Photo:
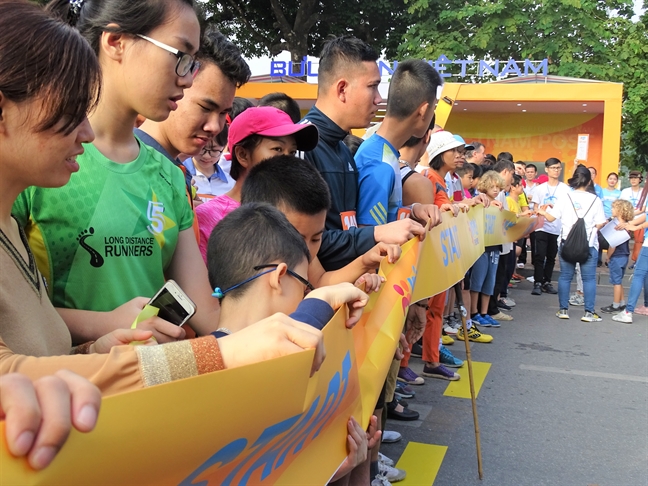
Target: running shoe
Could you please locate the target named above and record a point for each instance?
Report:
(591, 317)
(384, 459)
(448, 328)
(548, 288)
(610, 309)
(508, 301)
(392, 474)
(562, 314)
(491, 320)
(475, 335)
(577, 299)
(502, 305)
(447, 359)
(405, 391)
(446, 340)
(479, 319)
(623, 316)
(380, 480)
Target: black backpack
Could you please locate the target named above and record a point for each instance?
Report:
(575, 248)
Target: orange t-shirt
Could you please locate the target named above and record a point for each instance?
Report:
(439, 187)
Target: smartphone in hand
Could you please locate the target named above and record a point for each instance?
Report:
(174, 305)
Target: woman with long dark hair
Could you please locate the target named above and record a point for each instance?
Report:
(579, 203)
(122, 226)
(49, 80)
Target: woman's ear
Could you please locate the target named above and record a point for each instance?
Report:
(113, 44)
(275, 277)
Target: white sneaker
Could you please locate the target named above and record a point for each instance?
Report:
(508, 301)
(531, 279)
(576, 299)
(380, 480)
(385, 460)
(389, 436)
(450, 331)
(623, 316)
(392, 474)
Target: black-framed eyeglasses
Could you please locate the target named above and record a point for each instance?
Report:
(212, 152)
(186, 62)
(309, 286)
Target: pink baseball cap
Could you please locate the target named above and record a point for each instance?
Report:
(269, 121)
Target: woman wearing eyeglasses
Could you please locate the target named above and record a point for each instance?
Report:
(108, 240)
(44, 131)
(208, 178)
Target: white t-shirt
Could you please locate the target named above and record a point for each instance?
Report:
(546, 194)
(582, 201)
(627, 194)
(501, 197)
(529, 192)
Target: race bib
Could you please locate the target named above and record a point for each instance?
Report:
(348, 220)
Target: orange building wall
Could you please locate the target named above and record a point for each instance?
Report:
(532, 137)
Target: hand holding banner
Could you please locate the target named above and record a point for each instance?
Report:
(283, 427)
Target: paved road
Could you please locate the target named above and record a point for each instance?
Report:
(564, 403)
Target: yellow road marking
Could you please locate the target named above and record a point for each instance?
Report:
(422, 463)
(461, 388)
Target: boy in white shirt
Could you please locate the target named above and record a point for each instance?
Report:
(546, 237)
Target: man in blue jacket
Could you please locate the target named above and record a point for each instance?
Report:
(347, 98)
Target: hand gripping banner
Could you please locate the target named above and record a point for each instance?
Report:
(270, 423)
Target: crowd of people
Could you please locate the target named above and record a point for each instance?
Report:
(127, 161)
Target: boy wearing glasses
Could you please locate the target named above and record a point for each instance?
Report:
(254, 276)
(546, 237)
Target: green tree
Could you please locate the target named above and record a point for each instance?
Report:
(591, 39)
(262, 27)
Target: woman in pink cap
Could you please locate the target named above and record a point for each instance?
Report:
(255, 135)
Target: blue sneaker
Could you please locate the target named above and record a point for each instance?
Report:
(479, 320)
(446, 358)
(491, 322)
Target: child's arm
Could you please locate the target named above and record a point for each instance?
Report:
(354, 270)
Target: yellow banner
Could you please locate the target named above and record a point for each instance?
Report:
(505, 226)
(268, 423)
